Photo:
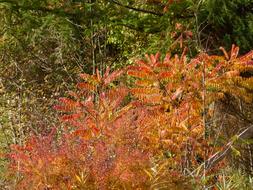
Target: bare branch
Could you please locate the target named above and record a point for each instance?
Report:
(246, 134)
(136, 9)
(218, 156)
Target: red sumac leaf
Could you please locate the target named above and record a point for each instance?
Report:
(71, 117)
(85, 76)
(113, 76)
(166, 74)
(86, 86)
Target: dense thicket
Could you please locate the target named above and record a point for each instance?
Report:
(44, 45)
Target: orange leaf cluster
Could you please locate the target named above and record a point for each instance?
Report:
(115, 135)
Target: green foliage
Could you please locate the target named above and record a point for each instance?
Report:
(234, 179)
(231, 22)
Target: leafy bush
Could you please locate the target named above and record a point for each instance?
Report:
(149, 134)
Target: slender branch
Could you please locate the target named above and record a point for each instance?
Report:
(246, 134)
(136, 9)
(218, 156)
(139, 29)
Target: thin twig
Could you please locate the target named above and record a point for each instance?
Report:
(220, 155)
(136, 9)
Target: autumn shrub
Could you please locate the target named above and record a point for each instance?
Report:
(149, 134)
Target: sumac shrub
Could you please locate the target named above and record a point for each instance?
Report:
(140, 137)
